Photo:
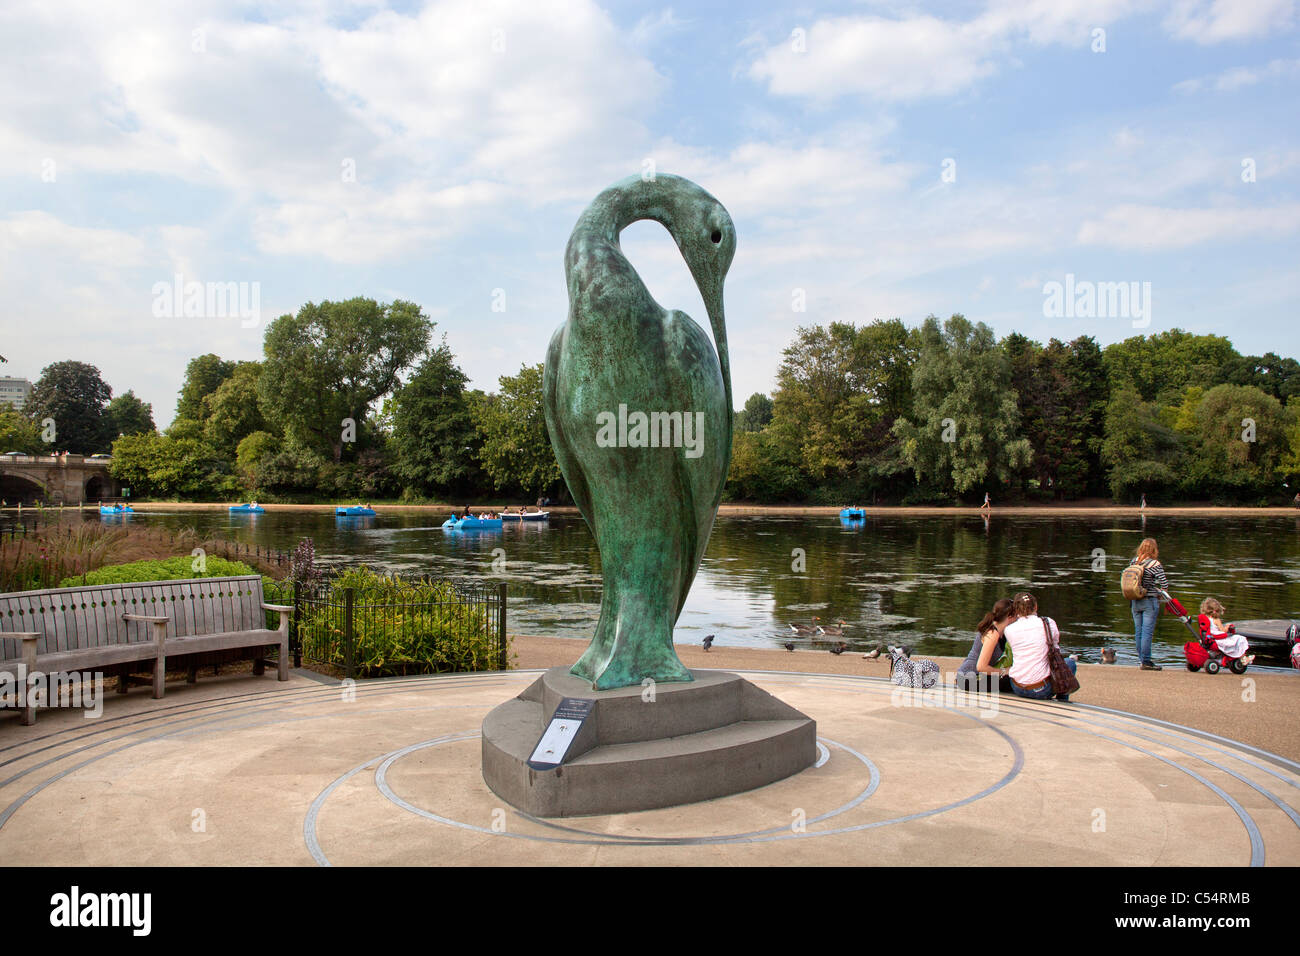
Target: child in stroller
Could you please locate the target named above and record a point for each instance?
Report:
(1217, 646)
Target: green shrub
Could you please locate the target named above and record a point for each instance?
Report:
(168, 569)
(400, 627)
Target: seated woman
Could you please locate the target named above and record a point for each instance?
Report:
(978, 671)
(1031, 675)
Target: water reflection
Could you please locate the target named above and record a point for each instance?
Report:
(925, 581)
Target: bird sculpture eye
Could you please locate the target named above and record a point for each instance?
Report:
(717, 236)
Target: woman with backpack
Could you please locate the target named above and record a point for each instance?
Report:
(1141, 581)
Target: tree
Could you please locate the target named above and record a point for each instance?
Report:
(756, 414)
(1085, 369)
(1270, 373)
(434, 434)
(1141, 453)
(326, 365)
(203, 376)
(127, 415)
(839, 391)
(233, 411)
(162, 466)
(963, 431)
(516, 451)
(1240, 443)
(75, 396)
(1060, 394)
(292, 470)
(1160, 366)
(761, 470)
(18, 432)
(253, 449)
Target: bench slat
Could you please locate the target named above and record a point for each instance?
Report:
(116, 630)
(185, 622)
(78, 618)
(252, 605)
(229, 610)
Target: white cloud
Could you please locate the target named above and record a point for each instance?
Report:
(1240, 77)
(458, 106)
(1214, 21)
(1156, 227)
(885, 59)
(916, 55)
(40, 237)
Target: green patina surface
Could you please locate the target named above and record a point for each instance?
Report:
(619, 355)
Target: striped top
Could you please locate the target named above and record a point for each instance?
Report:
(1153, 578)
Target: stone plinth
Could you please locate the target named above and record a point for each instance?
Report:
(711, 737)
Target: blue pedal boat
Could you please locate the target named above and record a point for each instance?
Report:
(471, 524)
(355, 511)
(247, 510)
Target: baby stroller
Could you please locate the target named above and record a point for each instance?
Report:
(1211, 651)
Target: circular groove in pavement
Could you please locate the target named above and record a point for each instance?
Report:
(267, 702)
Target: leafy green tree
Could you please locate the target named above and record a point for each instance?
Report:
(516, 451)
(1061, 396)
(128, 415)
(434, 434)
(18, 432)
(839, 391)
(76, 397)
(253, 449)
(761, 470)
(328, 364)
(291, 471)
(1085, 369)
(756, 414)
(1270, 373)
(1142, 454)
(963, 433)
(1289, 465)
(203, 376)
(1240, 443)
(161, 466)
(233, 411)
(1160, 366)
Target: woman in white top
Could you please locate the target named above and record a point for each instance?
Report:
(1031, 675)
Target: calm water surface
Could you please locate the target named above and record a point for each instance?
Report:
(920, 580)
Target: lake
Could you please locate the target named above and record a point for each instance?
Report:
(921, 580)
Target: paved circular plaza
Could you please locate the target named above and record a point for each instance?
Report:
(242, 770)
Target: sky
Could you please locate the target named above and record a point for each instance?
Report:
(879, 160)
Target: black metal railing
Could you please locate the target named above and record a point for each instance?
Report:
(409, 627)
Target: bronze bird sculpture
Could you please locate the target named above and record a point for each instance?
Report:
(639, 411)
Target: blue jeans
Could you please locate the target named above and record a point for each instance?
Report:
(1145, 614)
(1047, 690)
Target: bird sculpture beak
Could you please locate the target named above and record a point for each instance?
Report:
(711, 292)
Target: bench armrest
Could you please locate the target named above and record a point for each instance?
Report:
(21, 635)
(282, 608)
(152, 619)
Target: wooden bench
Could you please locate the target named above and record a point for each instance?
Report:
(116, 626)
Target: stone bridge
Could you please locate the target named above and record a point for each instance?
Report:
(55, 479)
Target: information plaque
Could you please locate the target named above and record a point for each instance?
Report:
(560, 733)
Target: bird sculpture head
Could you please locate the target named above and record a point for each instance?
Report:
(707, 241)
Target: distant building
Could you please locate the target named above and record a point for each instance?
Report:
(15, 391)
